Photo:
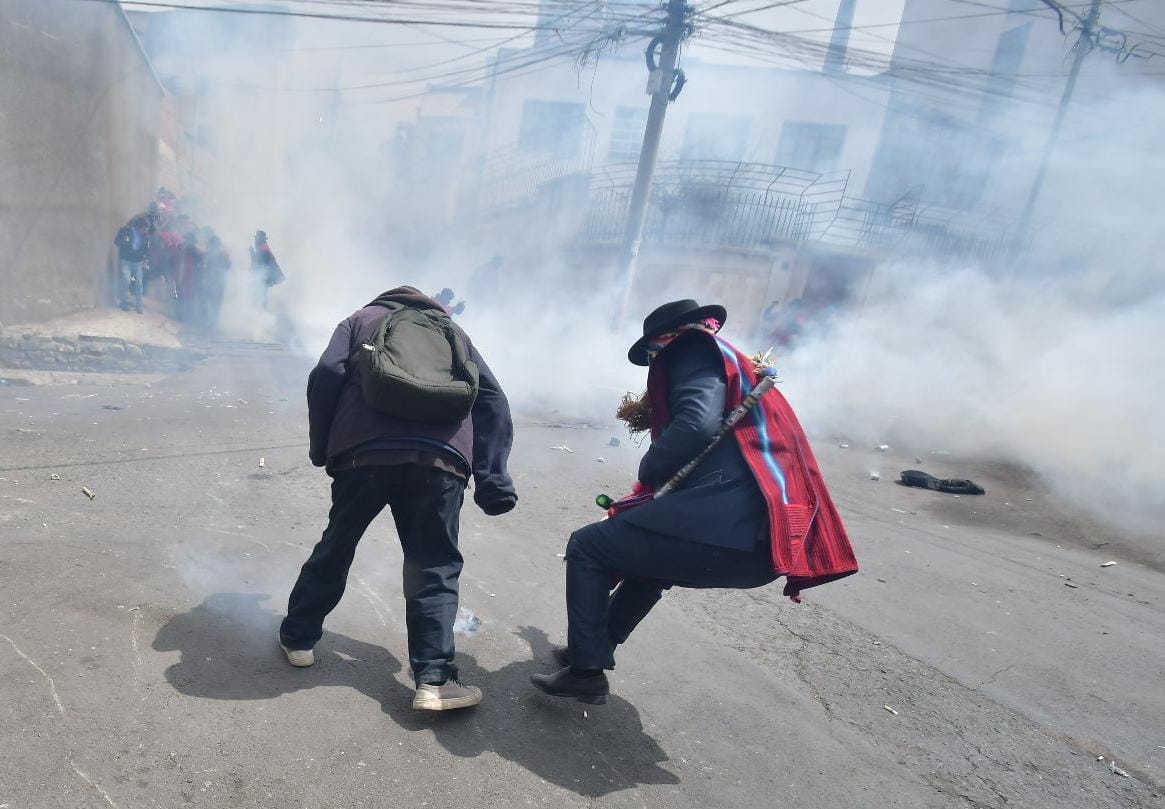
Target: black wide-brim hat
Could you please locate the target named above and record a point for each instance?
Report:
(669, 317)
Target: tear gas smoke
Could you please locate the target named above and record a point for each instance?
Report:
(1027, 371)
(1056, 371)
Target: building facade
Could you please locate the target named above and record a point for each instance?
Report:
(78, 150)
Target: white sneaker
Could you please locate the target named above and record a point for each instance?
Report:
(447, 696)
(299, 658)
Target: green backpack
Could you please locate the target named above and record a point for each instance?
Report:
(418, 368)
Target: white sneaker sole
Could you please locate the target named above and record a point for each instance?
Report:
(427, 703)
(301, 662)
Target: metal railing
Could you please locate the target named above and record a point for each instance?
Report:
(737, 219)
(716, 203)
(756, 206)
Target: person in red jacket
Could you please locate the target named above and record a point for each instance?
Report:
(754, 509)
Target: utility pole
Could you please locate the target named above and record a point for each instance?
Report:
(663, 85)
(1083, 47)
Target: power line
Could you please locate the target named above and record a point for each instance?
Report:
(316, 15)
(516, 61)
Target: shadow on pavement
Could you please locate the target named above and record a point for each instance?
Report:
(228, 652)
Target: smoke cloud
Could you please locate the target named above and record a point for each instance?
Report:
(1028, 371)
(1051, 365)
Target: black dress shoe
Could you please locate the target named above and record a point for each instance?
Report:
(565, 683)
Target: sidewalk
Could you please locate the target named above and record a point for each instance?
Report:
(97, 341)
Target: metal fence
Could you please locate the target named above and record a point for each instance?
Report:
(738, 219)
(716, 203)
(756, 206)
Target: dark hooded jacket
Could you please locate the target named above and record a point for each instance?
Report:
(346, 433)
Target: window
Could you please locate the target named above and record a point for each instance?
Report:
(552, 127)
(627, 135)
(1008, 59)
(811, 147)
(716, 137)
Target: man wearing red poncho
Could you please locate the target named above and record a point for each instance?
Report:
(754, 509)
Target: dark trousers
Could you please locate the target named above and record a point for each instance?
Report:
(426, 504)
(648, 564)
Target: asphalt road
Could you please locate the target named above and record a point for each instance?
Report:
(138, 665)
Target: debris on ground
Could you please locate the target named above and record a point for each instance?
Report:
(844, 446)
(1115, 770)
(466, 623)
(600, 460)
(111, 407)
(85, 491)
(891, 710)
(1109, 563)
(875, 476)
(262, 462)
(883, 448)
(1073, 586)
(924, 480)
(564, 448)
(54, 476)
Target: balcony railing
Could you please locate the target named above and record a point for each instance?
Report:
(754, 206)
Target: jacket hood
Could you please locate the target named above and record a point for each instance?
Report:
(407, 295)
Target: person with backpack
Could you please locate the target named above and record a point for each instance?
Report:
(402, 411)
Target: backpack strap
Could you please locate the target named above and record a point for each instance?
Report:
(457, 342)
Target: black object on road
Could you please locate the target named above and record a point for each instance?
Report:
(923, 480)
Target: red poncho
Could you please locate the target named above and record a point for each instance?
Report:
(809, 541)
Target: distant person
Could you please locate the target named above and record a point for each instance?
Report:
(190, 276)
(445, 298)
(264, 268)
(216, 266)
(154, 217)
(167, 202)
(165, 265)
(132, 252)
(388, 439)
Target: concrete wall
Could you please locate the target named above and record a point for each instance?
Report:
(78, 150)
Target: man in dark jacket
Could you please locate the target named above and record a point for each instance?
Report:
(420, 472)
(738, 520)
(132, 250)
(265, 270)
